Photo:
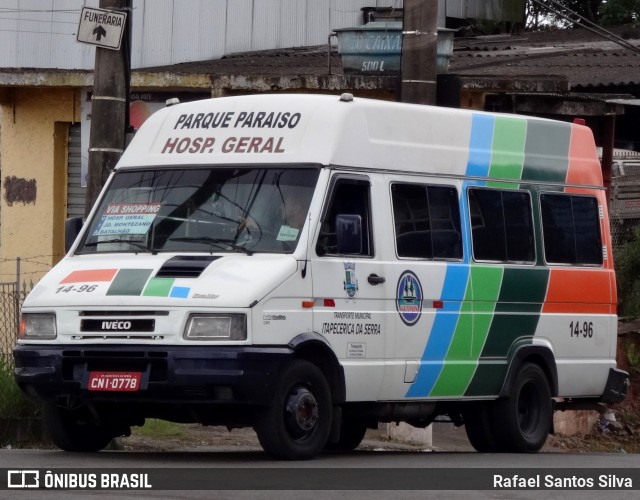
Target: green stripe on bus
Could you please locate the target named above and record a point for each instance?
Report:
(471, 332)
(519, 286)
(507, 155)
(158, 287)
(129, 282)
(547, 151)
(516, 316)
(488, 378)
(456, 368)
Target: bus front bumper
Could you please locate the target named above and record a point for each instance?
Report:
(164, 374)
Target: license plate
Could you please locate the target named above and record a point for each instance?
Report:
(114, 381)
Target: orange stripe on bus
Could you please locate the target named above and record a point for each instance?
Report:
(573, 288)
(90, 275)
(575, 308)
(584, 167)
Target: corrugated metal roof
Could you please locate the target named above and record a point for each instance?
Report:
(291, 61)
(577, 56)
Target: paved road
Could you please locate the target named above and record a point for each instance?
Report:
(391, 469)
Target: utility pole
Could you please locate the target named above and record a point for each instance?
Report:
(419, 51)
(110, 105)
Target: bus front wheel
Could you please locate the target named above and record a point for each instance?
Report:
(75, 429)
(297, 423)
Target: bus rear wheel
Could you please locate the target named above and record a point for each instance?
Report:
(524, 418)
(479, 425)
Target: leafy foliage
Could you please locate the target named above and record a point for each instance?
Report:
(603, 12)
(633, 356)
(628, 276)
(620, 12)
(13, 402)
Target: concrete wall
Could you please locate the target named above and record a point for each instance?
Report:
(33, 169)
(571, 423)
(403, 433)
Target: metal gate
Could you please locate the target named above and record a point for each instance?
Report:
(8, 319)
(75, 192)
(13, 404)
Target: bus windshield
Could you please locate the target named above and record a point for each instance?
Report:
(217, 209)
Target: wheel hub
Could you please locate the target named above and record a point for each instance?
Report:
(301, 412)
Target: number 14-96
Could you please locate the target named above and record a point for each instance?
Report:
(581, 329)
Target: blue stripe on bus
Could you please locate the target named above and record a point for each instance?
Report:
(480, 144)
(444, 325)
(457, 275)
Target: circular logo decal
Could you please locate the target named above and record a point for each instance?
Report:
(409, 298)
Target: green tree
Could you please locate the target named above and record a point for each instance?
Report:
(620, 12)
(588, 9)
(627, 260)
(534, 15)
(596, 11)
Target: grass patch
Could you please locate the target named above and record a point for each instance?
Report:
(13, 402)
(11, 394)
(159, 429)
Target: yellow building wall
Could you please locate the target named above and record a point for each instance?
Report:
(33, 168)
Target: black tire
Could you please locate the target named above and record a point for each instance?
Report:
(524, 418)
(351, 435)
(296, 425)
(75, 430)
(479, 424)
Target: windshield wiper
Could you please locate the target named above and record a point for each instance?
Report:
(141, 246)
(215, 242)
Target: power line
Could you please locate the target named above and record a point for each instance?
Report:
(41, 11)
(557, 9)
(38, 32)
(27, 20)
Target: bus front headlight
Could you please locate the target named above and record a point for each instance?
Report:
(37, 326)
(216, 327)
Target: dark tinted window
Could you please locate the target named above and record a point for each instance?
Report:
(501, 225)
(571, 229)
(427, 221)
(349, 210)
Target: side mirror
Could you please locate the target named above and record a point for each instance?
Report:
(349, 234)
(72, 227)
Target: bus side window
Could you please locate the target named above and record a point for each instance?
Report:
(426, 221)
(571, 229)
(501, 225)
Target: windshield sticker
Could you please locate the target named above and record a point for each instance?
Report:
(127, 218)
(287, 233)
(409, 298)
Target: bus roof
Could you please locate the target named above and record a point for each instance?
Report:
(365, 134)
